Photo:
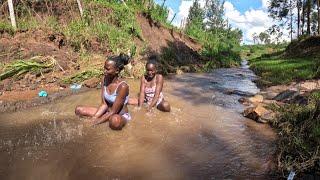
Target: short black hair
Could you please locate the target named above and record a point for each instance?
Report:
(120, 60)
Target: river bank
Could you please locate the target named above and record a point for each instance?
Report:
(289, 101)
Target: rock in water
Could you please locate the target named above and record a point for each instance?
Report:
(259, 114)
(244, 101)
(287, 94)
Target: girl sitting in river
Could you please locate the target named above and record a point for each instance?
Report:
(151, 89)
(114, 96)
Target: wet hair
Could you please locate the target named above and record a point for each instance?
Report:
(152, 60)
(120, 61)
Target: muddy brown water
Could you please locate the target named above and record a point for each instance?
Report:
(204, 137)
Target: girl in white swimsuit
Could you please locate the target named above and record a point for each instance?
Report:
(114, 96)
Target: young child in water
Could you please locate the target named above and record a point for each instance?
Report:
(151, 89)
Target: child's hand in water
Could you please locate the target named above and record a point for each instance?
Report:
(94, 121)
(149, 110)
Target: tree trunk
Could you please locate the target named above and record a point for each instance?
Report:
(173, 18)
(291, 20)
(308, 17)
(12, 17)
(303, 16)
(80, 7)
(318, 3)
(298, 19)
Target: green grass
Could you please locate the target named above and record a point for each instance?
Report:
(82, 76)
(299, 135)
(28, 23)
(277, 70)
(6, 27)
(251, 52)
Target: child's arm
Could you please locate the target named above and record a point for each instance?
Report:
(103, 106)
(141, 94)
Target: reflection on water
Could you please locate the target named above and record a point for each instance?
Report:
(199, 139)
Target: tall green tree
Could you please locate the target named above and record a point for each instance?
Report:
(264, 38)
(308, 15)
(195, 20)
(214, 14)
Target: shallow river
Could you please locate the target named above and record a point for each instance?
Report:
(204, 137)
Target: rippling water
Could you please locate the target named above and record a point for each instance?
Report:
(204, 137)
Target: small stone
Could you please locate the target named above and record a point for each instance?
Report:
(185, 68)
(179, 71)
(285, 95)
(244, 101)
(256, 99)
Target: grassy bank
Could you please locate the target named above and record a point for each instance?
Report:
(298, 143)
(251, 52)
(278, 70)
(274, 68)
(298, 126)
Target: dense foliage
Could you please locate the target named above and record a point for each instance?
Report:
(207, 25)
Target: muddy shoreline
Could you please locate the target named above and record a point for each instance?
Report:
(13, 106)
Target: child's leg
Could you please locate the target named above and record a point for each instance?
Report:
(86, 111)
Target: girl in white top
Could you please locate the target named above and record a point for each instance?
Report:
(114, 96)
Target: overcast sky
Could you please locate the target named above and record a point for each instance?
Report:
(250, 16)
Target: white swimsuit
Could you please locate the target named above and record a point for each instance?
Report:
(111, 98)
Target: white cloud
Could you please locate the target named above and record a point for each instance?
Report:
(250, 22)
(183, 13)
(265, 4)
